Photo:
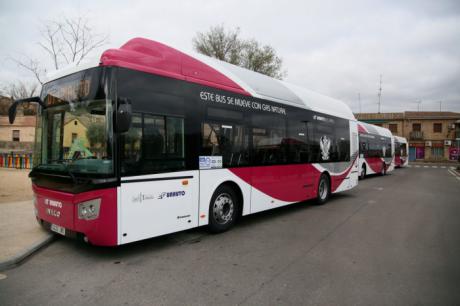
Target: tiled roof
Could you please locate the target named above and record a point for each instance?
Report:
(376, 116)
(431, 115)
(407, 115)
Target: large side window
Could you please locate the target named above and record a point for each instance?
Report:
(154, 144)
(298, 150)
(330, 139)
(223, 134)
(226, 140)
(268, 139)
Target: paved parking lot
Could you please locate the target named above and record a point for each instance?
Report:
(393, 240)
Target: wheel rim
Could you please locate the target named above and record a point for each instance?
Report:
(223, 208)
(322, 190)
(363, 172)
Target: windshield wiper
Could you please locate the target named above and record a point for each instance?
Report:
(74, 180)
(59, 161)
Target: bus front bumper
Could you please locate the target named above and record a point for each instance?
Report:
(91, 216)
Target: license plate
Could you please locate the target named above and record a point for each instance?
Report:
(58, 229)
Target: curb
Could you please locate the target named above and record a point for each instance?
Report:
(18, 258)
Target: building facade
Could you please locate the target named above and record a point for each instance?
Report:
(17, 137)
(432, 136)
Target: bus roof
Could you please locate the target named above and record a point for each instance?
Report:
(400, 139)
(156, 58)
(368, 128)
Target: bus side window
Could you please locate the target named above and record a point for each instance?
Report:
(268, 139)
(363, 148)
(131, 145)
(226, 140)
(296, 141)
(153, 144)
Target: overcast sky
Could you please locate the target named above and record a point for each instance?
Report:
(337, 48)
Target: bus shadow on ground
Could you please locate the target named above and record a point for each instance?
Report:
(128, 252)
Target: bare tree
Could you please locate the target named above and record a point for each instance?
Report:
(19, 90)
(65, 41)
(15, 91)
(226, 45)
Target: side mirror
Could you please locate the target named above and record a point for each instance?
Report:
(14, 106)
(12, 112)
(124, 115)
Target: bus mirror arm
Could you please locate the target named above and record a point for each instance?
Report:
(14, 106)
(124, 115)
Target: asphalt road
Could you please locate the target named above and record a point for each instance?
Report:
(393, 240)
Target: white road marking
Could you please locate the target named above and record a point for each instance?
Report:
(444, 167)
(454, 173)
(417, 166)
(452, 168)
(434, 167)
(423, 166)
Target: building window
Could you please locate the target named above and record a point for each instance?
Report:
(393, 127)
(437, 127)
(74, 136)
(437, 152)
(416, 127)
(16, 135)
(378, 124)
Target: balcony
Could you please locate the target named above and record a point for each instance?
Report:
(416, 135)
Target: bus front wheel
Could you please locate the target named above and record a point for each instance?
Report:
(324, 189)
(223, 209)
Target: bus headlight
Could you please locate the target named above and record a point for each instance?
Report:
(89, 210)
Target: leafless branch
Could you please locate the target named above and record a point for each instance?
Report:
(65, 40)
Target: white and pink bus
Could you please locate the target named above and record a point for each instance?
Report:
(401, 159)
(376, 149)
(149, 140)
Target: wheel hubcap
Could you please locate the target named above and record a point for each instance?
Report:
(322, 189)
(223, 208)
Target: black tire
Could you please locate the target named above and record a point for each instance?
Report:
(384, 169)
(324, 190)
(223, 209)
(363, 172)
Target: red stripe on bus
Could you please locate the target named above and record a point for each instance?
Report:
(288, 183)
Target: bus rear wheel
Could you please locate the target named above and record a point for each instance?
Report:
(223, 209)
(324, 189)
(384, 169)
(363, 172)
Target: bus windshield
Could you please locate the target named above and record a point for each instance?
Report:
(75, 129)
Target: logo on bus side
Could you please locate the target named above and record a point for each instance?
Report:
(171, 194)
(145, 197)
(325, 145)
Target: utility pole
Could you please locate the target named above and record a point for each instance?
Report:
(419, 104)
(359, 101)
(380, 92)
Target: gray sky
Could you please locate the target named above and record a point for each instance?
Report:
(338, 48)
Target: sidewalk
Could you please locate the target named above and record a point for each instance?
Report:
(20, 234)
